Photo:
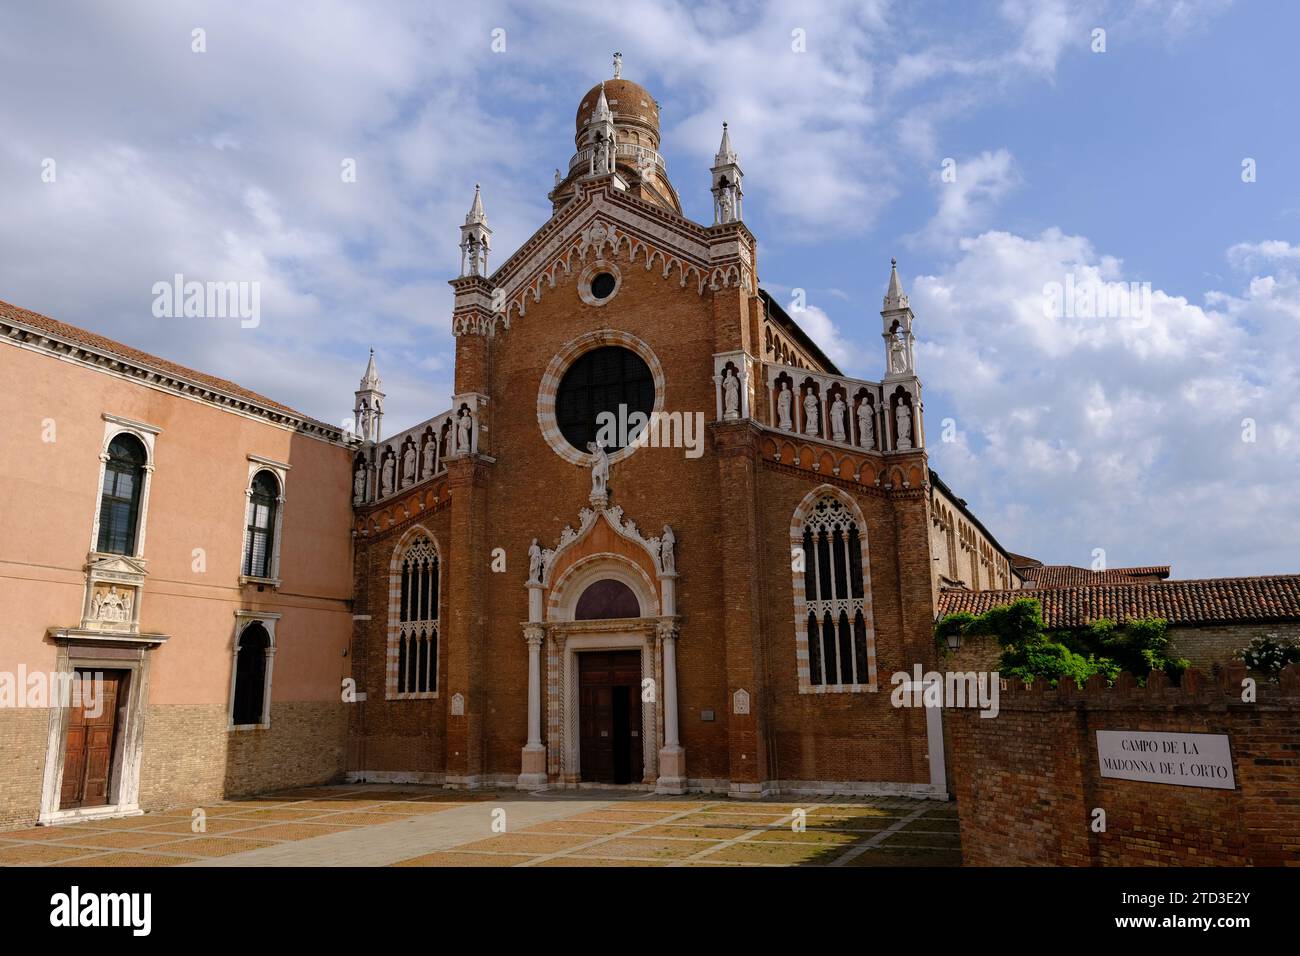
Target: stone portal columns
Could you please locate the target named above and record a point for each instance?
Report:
(532, 774)
(672, 757)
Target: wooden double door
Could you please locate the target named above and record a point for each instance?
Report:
(91, 743)
(609, 716)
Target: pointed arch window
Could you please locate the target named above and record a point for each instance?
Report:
(120, 495)
(413, 623)
(833, 600)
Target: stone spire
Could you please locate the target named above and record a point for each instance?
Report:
(727, 193)
(896, 328)
(602, 112)
(475, 239)
(904, 424)
(726, 155)
(368, 410)
(601, 138)
(895, 297)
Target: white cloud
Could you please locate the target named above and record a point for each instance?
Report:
(1113, 432)
(968, 192)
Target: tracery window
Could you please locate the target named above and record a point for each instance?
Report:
(835, 610)
(413, 636)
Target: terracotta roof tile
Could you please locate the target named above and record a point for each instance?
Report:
(1208, 601)
(1065, 575)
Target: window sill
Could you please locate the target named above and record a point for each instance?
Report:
(247, 579)
(418, 695)
(235, 728)
(839, 689)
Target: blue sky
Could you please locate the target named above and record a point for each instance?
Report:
(1068, 435)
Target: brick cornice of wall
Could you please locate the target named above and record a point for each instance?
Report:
(427, 498)
(900, 473)
(859, 487)
(1195, 690)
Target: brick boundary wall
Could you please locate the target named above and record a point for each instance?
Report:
(1027, 781)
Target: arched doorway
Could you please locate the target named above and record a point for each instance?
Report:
(602, 626)
(610, 749)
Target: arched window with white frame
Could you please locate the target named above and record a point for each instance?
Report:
(413, 615)
(121, 494)
(834, 634)
(250, 678)
(263, 521)
(259, 533)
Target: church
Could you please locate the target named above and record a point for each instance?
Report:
(549, 603)
(658, 540)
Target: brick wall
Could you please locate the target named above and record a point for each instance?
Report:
(1218, 643)
(1027, 781)
(404, 736)
(24, 736)
(191, 757)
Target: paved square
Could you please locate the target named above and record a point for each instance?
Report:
(390, 825)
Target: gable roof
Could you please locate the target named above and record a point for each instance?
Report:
(1207, 601)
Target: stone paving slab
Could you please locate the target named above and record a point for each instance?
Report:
(388, 843)
(423, 826)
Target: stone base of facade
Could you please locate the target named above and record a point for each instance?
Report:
(672, 770)
(188, 757)
(396, 776)
(532, 774)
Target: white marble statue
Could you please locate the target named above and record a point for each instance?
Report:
(867, 425)
(730, 394)
(666, 557)
(408, 465)
(897, 356)
(728, 205)
(599, 470)
(837, 418)
(903, 415)
(463, 424)
(535, 561)
(387, 475)
(784, 400)
(429, 465)
(359, 484)
(810, 413)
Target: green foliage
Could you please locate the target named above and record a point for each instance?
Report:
(1046, 660)
(1030, 652)
(1268, 654)
(1017, 624)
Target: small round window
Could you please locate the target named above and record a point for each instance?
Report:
(602, 285)
(606, 384)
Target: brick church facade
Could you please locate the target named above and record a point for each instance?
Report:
(723, 619)
(659, 540)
